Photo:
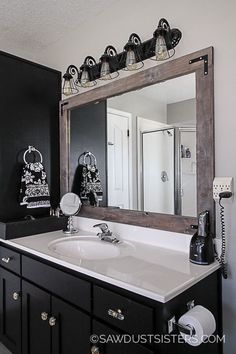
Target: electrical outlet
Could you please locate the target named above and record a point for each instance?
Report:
(222, 184)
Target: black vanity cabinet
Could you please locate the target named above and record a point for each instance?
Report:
(10, 299)
(10, 310)
(109, 347)
(72, 334)
(36, 334)
(50, 325)
(46, 308)
(59, 326)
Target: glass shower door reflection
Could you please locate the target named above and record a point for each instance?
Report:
(158, 171)
(188, 172)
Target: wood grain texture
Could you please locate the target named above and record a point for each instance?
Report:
(205, 138)
(175, 223)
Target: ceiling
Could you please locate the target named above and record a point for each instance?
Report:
(36, 24)
(39, 23)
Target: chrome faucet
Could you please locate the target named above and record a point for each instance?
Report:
(106, 234)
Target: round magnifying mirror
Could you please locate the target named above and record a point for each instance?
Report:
(70, 205)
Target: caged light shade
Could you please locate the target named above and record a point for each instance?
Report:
(164, 41)
(109, 64)
(133, 53)
(87, 75)
(70, 84)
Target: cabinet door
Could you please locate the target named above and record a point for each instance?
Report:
(112, 345)
(36, 331)
(10, 311)
(71, 329)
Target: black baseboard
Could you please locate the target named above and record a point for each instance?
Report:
(21, 228)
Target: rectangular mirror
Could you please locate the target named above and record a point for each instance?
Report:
(144, 143)
(150, 145)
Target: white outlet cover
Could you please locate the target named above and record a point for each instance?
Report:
(222, 184)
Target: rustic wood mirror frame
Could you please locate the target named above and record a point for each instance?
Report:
(200, 63)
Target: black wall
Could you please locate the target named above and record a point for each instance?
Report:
(29, 115)
(88, 131)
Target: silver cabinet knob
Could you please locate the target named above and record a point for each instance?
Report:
(16, 296)
(94, 350)
(44, 316)
(6, 259)
(52, 321)
(116, 314)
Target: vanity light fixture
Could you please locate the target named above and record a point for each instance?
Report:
(164, 41)
(109, 64)
(70, 84)
(160, 47)
(87, 73)
(133, 53)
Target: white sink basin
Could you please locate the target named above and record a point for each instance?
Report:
(89, 248)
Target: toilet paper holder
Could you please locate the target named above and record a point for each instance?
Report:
(188, 329)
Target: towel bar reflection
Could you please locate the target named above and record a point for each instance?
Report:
(90, 154)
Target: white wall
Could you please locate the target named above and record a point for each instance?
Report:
(203, 23)
(139, 106)
(183, 112)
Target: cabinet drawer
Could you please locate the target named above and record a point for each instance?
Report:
(110, 341)
(10, 259)
(67, 286)
(126, 314)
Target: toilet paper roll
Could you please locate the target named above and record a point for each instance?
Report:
(202, 320)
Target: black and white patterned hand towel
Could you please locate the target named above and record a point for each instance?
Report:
(90, 182)
(34, 191)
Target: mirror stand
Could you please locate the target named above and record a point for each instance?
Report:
(70, 205)
(70, 229)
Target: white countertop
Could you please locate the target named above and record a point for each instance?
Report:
(156, 272)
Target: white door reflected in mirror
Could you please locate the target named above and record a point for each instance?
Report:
(70, 205)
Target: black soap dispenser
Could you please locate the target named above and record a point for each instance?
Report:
(201, 245)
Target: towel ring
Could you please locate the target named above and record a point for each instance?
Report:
(90, 155)
(29, 150)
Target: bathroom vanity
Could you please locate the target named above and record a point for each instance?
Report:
(53, 302)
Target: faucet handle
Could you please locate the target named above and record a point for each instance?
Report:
(103, 226)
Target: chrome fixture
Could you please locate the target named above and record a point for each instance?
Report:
(32, 149)
(52, 321)
(16, 296)
(159, 47)
(188, 329)
(116, 314)
(94, 350)
(173, 324)
(6, 259)
(44, 316)
(106, 234)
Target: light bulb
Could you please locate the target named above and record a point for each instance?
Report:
(131, 63)
(67, 90)
(161, 49)
(84, 78)
(105, 71)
